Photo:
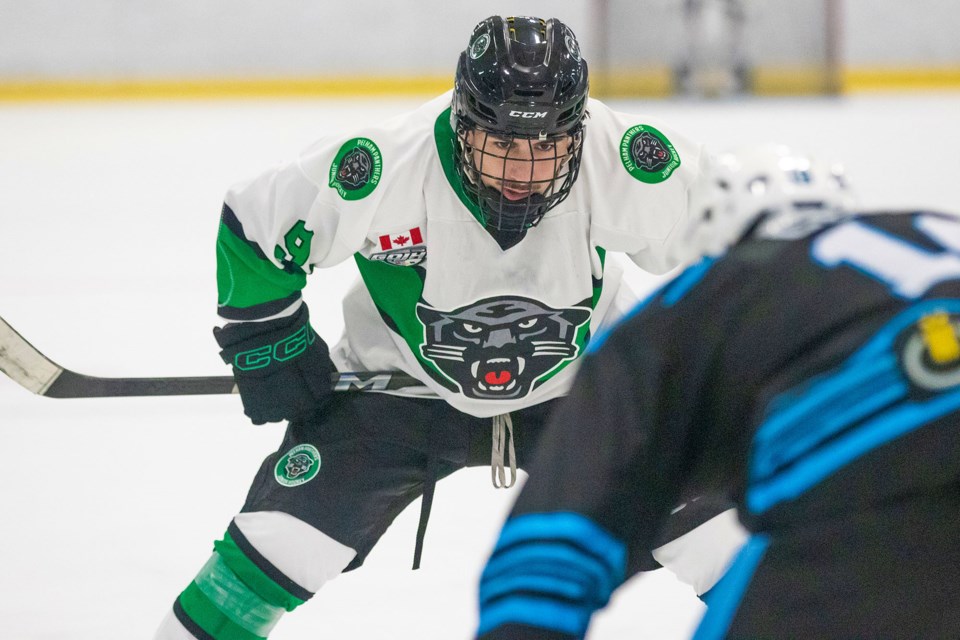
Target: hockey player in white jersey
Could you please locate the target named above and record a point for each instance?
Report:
(480, 224)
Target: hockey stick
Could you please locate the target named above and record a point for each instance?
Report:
(32, 370)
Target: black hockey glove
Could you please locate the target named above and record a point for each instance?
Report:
(282, 367)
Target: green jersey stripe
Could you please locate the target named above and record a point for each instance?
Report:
(245, 279)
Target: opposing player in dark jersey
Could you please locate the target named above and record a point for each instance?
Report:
(813, 372)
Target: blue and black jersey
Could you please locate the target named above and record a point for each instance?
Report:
(816, 380)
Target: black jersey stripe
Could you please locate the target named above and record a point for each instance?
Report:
(229, 219)
(257, 311)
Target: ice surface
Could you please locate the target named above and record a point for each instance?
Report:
(108, 214)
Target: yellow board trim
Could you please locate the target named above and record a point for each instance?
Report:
(646, 82)
(326, 87)
(793, 80)
(867, 79)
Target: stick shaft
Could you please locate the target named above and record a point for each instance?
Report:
(29, 368)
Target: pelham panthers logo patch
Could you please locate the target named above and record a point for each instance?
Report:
(356, 169)
(297, 466)
(498, 348)
(647, 154)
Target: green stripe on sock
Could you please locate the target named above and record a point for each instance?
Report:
(209, 618)
(251, 575)
(225, 607)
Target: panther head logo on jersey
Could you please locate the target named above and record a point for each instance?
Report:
(498, 348)
(649, 152)
(355, 168)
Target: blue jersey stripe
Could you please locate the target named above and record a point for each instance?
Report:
(564, 525)
(550, 570)
(671, 291)
(545, 558)
(813, 431)
(725, 597)
(601, 336)
(535, 612)
(680, 286)
(825, 410)
(870, 435)
(540, 578)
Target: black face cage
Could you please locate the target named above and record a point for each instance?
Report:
(539, 171)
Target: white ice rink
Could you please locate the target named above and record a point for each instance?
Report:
(108, 214)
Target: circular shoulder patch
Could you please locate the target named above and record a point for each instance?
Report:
(647, 154)
(356, 169)
(297, 466)
(930, 355)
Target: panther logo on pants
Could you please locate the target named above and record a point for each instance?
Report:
(297, 466)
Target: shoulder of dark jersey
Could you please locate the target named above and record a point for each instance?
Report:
(777, 262)
(712, 298)
(904, 224)
(768, 243)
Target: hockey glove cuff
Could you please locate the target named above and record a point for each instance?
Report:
(282, 367)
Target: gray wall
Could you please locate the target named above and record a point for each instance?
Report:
(122, 39)
(654, 31)
(241, 38)
(914, 33)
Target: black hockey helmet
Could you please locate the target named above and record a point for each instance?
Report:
(521, 80)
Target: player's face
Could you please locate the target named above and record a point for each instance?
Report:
(518, 167)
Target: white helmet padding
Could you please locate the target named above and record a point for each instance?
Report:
(788, 192)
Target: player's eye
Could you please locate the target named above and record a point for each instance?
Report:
(546, 146)
(471, 328)
(526, 324)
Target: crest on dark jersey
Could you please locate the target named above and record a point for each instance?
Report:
(649, 153)
(498, 348)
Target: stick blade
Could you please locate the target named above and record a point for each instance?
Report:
(32, 370)
(21, 361)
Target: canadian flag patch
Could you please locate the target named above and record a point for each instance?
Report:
(400, 240)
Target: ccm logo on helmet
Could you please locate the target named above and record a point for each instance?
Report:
(528, 114)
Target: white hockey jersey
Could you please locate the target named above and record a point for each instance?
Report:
(488, 330)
